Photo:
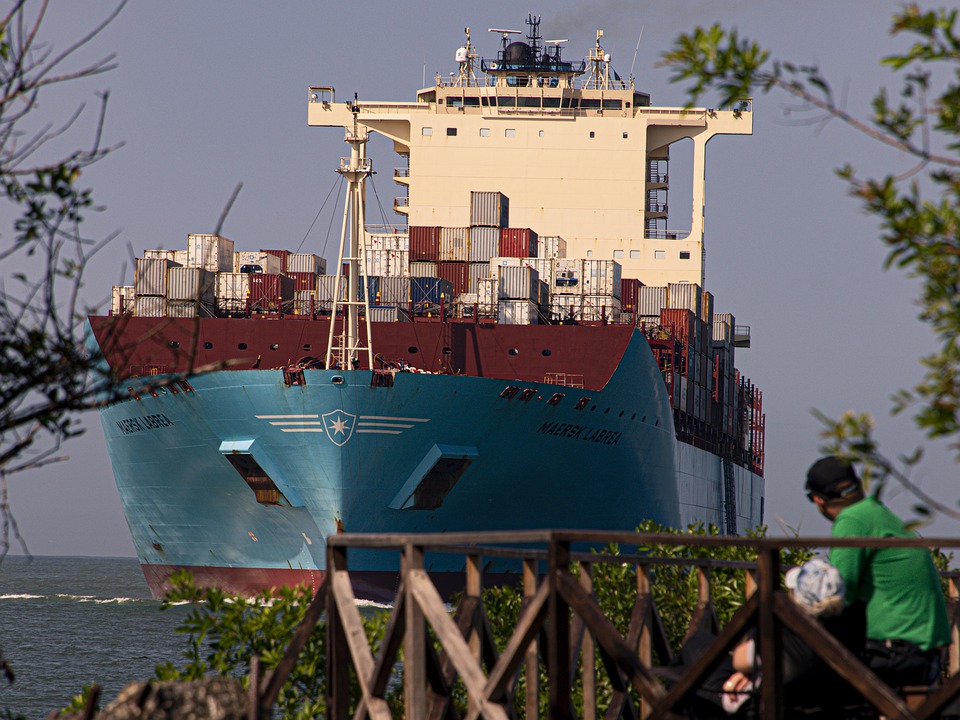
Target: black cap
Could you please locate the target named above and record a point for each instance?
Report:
(827, 476)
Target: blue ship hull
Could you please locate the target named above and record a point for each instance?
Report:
(344, 455)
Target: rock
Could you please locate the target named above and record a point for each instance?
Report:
(215, 698)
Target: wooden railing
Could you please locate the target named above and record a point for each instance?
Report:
(563, 630)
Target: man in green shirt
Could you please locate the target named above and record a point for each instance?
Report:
(906, 615)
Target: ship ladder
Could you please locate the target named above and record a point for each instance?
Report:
(729, 497)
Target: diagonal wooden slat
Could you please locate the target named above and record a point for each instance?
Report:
(356, 637)
(607, 636)
(844, 662)
(390, 645)
(432, 606)
(939, 699)
(725, 641)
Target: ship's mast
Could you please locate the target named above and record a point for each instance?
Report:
(343, 349)
(465, 59)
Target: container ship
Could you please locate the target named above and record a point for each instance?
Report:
(531, 345)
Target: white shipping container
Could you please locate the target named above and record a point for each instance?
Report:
(488, 293)
(170, 255)
(518, 312)
(723, 325)
(305, 302)
(234, 288)
(395, 290)
(598, 307)
(328, 291)
(684, 296)
(395, 241)
(210, 252)
(150, 276)
(150, 306)
(489, 208)
(268, 264)
(601, 277)
(191, 283)
(387, 262)
(484, 243)
(123, 300)
(567, 275)
(651, 300)
(307, 263)
(551, 246)
(180, 257)
(422, 268)
(388, 313)
(519, 283)
(454, 244)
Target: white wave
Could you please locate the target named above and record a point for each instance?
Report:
(21, 596)
(374, 604)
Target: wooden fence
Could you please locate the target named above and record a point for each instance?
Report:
(563, 631)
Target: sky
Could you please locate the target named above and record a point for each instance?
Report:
(208, 95)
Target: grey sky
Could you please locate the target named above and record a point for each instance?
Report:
(214, 93)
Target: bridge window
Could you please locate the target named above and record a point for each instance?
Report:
(426, 132)
(684, 255)
(613, 104)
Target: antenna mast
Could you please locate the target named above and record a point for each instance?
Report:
(343, 349)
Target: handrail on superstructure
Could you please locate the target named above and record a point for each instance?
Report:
(561, 627)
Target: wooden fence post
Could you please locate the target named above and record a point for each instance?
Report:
(415, 641)
(532, 661)
(558, 634)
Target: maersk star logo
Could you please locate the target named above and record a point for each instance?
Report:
(339, 426)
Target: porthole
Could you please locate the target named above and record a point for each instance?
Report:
(174, 344)
(545, 352)
(513, 351)
(241, 346)
(274, 346)
(412, 350)
(306, 347)
(446, 351)
(208, 346)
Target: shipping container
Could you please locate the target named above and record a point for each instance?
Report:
(518, 242)
(190, 309)
(210, 252)
(519, 283)
(306, 263)
(488, 294)
(395, 290)
(629, 293)
(567, 275)
(305, 302)
(422, 268)
(170, 255)
(454, 244)
(123, 300)
(424, 243)
(282, 254)
(429, 290)
(150, 306)
(396, 241)
(600, 307)
(684, 296)
(180, 257)
(458, 273)
(551, 246)
(191, 283)
(270, 293)
(681, 320)
(232, 292)
(247, 261)
(150, 276)
(484, 243)
(518, 312)
(388, 313)
(387, 262)
(328, 291)
(651, 300)
(723, 325)
(489, 208)
(303, 280)
(601, 277)
(475, 271)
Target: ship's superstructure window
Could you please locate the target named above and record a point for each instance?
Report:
(541, 133)
(659, 254)
(634, 254)
(617, 254)
(592, 134)
(451, 132)
(589, 253)
(509, 132)
(426, 132)
(613, 104)
(626, 135)
(484, 132)
(684, 255)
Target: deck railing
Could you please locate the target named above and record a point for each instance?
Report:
(562, 628)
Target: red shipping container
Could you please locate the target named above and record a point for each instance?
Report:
(304, 280)
(282, 254)
(681, 320)
(424, 244)
(629, 294)
(457, 273)
(270, 293)
(518, 242)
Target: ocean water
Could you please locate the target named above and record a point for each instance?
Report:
(69, 621)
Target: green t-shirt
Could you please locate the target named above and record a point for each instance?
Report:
(901, 586)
